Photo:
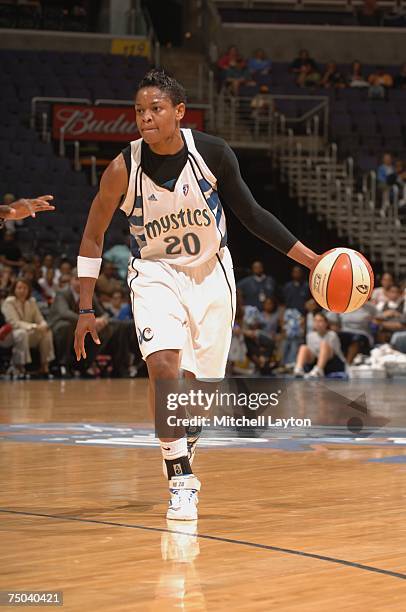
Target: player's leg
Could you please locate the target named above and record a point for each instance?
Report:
(304, 357)
(183, 485)
(160, 321)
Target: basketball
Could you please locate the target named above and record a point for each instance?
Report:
(342, 280)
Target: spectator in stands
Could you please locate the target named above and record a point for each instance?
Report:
(64, 280)
(379, 82)
(259, 65)
(400, 79)
(380, 294)
(385, 170)
(332, 77)
(119, 255)
(322, 348)
(356, 78)
(118, 308)
(398, 177)
(308, 76)
(312, 308)
(354, 330)
(232, 57)
(29, 274)
(7, 279)
(292, 333)
(10, 252)
(301, 60)
(107, 283)
(49, 264)
(16, 340)
(49, 285)
(257, 287)
(65, 267)
(296, 291)
(114, 335)
(246, 319)
(389, 314)
(22, 312)
(262, 105)
(369, 14)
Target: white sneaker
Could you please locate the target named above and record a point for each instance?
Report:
(315, 373)
(184, 499)
(298, 372)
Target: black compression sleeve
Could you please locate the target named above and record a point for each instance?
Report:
(235, 194)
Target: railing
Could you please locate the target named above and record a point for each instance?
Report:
(255, 121)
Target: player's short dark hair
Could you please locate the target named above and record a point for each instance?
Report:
(167, 84)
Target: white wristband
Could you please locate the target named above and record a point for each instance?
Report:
(89, 266)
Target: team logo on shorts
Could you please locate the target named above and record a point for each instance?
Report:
(147, 334)
(185, 190)
(363, 289)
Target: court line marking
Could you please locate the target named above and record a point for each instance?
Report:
(289, 551)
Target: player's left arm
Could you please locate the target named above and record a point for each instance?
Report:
(234, 192)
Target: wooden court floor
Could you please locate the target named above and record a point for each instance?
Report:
(289, 526)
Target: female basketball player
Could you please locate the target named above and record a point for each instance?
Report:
(172, 184)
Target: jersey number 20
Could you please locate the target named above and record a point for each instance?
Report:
(191, 244)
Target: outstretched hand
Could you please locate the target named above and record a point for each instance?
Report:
(86, 325)
(27, 207)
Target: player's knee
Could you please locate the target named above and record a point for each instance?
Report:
(163, 364)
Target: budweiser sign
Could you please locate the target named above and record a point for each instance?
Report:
(108, 123)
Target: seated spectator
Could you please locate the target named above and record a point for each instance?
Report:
(230, 58)
(399, 175)
(322, 348)
(380, 294)
(29, 273)
(64, 280)
(118, 308)
(236, 75)
(379, 81)
(332, 77)
(65, 267)
(356, 78)
(7, 279)
(385, 170)
(296, 292)
(256, 287)
(262, 105)
(114, 336)
(389, 314)
(119, 255)
(49, 264)
(10, 252)
(308, 76)
(247, 318)
(311, 308)
(107, 282)
(292, 333)
(49, 285)
(259, 65)
(354, 330)
(369, 14)
(400, 79)
(303, 59)
(22, 312)
(16, 340)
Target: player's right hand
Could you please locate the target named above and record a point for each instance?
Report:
(86, 325)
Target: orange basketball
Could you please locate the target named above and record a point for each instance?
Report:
(342, 280)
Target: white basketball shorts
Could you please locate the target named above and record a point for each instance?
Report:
(187, 308)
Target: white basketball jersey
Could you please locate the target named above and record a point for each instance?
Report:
(185, 226)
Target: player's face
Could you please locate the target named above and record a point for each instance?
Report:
(157, 117)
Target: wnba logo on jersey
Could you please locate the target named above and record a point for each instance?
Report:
(185, 190)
